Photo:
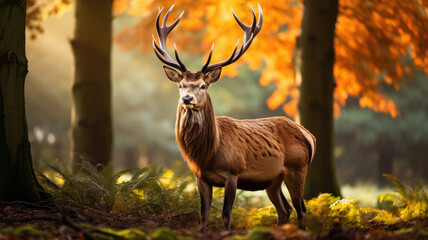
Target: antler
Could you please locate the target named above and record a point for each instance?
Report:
(161, 51)
(249, 33)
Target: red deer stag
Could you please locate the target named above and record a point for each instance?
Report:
(252, 154)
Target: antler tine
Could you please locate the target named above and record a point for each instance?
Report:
(233, 53)
(260, 23)
(250, 33)
(253, 24)
(209, 59)
(243, 26)
(165, 58)
(161, 55)
(158, 29)
(178, 59)
(163, 31)
(165, 18)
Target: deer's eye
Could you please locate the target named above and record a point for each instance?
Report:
(203, 86)
(179, 86)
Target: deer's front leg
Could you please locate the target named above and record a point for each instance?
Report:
(229, 197)
(206, 194)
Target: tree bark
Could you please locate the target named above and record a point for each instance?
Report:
(17, 178)
(91, 116)
(316, 95)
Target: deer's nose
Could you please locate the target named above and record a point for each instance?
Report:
(187, 99)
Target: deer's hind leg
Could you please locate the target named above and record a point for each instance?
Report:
(285, 203)
(277, 198)
(295, 181)
(295, 169)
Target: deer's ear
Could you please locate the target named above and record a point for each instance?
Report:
(172, 74)
(213, 75)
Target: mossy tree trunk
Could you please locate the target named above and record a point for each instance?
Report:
(17, 179)
(91, 111)
(316, 95)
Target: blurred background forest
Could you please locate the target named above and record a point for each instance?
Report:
(389, 139)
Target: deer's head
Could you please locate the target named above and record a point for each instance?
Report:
(193, 85)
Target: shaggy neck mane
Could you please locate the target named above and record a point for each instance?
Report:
(197, 137)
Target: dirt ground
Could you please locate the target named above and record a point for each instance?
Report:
(64, 222)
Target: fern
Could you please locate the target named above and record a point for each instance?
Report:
(115, 177)
(143, 191)
(48, 182)
(135, 185)
(406, 202)
(59, 170)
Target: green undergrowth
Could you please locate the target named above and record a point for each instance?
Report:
(23, 232)
(29, 232)
(287, 231)
(156, 191)
(404, 204)
(151, 189)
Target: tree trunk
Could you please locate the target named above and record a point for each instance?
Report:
(316, 95)
(17, 179)
(91, 111)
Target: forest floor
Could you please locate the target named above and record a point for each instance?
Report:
(71, 221)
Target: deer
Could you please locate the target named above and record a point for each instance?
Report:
(249, 154)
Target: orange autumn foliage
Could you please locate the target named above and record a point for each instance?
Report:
(372, 37)
(38, 10)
